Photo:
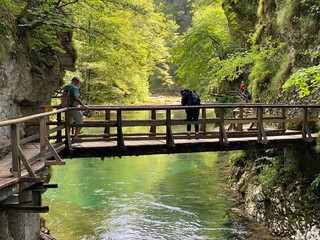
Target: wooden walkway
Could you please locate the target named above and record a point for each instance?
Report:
(185, 145)
(28, 161)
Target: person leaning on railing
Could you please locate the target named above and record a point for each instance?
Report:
(76, 116)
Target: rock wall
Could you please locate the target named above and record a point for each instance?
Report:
(27, 78)
(277, 190)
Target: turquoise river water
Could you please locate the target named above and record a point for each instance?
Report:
(177, 196)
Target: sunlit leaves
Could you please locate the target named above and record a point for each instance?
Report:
(198, 51)
(122, 44)
(307, 79)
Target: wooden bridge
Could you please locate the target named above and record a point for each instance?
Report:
(27, 163)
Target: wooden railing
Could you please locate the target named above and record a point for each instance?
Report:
(17, 153)
(61, 129)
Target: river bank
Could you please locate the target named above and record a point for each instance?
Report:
(278, 188)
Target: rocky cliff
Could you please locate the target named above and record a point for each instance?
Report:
(31, 76)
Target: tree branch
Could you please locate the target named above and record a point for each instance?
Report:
(66, 4)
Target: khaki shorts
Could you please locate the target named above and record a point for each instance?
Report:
(76, 117)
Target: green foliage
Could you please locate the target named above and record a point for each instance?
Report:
(7, 26)
(237, 159)
(179, 11)
(270, 168)
(316, 182)
(121, 47)
(261, 61)
(307, 79)
(202, 46)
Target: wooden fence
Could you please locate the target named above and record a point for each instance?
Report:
(59, 129)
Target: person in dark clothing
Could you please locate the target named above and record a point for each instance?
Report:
(192, 114)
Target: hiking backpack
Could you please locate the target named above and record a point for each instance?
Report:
(66, 98)
(195, 99)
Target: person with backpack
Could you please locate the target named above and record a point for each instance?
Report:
(191, 98)
(72, 93)
(249, 97)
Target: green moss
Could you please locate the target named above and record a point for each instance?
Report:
(261, 7)
(280, 77)
(286, 12)
(237, 159)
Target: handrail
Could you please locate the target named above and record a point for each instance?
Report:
(168, 122)
(31, 117)
(152, 107)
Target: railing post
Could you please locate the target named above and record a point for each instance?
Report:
(153, 129)
(43, 145)
(221, 124)
(240, 125)
(169, 136)
(120, 141)
(262, 137)
(283, 115)
(67, 130)
(304, 120)
(59, 133)
(15, 142)
(222, 132)
(306, 134)
(204, 117)
(107, 129)
(260, 122)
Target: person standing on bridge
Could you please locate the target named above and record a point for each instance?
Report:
(75, 116)
(191, 98)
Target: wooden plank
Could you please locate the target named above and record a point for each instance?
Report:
(52, 150)
(283, 114)
(30, 139)
(29, 179)
(169, 136)
(25, 162)
(306, 135)
(24, 209)
(29, 118)
(43, 137)
(15, 143)
(262, 137)
(153, 129)
(51, 163)
(120, 141)
(59, 132)
(67, 130)
(107, 128)
(204, 117)
(240, 125)
(222, 132)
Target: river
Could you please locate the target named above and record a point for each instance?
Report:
(177, 196)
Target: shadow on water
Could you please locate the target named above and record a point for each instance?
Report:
(178, 196)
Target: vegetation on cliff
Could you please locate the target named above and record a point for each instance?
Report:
(267, 42)
(280, 189)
